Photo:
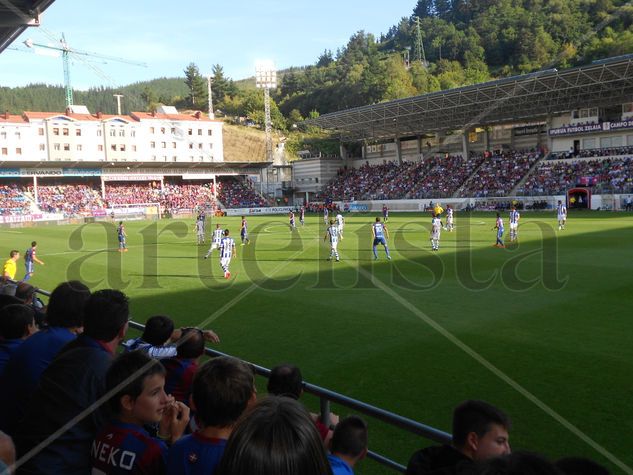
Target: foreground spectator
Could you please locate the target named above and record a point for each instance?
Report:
(7, 454)
(182, 367)
(480, 432)
(64, 315)
(26, 293)
(580, 466)
(286, 380)
(124, 446)
(222, 389)
(62, 412)
(276, 437)
(519, 463)
(17, 323)
(349, 445)
(158, 332)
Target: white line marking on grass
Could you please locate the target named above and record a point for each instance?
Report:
(494, 370)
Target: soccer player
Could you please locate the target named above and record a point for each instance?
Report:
(29, 261)
(216, 239)
(124, 446)
(385, 213)
(302, 215)
(326, 214)
(332, 234)
(293, 225)
(200, 231)
(514, 224)
(449, 219)
(340, 222)
(227, 250)
(499, 228)
(244, 232)
(436, 228)
(121, 235)
(380, 235)
(562, 215)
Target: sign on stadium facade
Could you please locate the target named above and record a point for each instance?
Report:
(251, 211)
(587, 128)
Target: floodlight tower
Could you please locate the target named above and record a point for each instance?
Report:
(209, 81)
(266, 79)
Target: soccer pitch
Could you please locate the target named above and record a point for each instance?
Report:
(541, 329)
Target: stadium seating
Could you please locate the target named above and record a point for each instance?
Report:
(69, 199)
(234, 193)
(12, 200)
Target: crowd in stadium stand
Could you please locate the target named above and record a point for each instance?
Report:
(12, 200)
(50, 375)
(593, 152)
(500, 173)
(236, 193)
(69, 199)
(610, 176)
(441, 177)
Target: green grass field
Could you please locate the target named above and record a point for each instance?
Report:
(541, 329)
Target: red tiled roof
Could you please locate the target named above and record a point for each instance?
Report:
(157, 116)
(11, 119)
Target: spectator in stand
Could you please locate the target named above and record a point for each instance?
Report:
(7, 454)
(286, 380)
(480, 432)
(124, 446)
(223, 389)
(349, 445)
(181, 368)
(580, 466)
(518, 463)
(64, 316)
(275, 437)
(158, 336)
(17, 323)
(62, 411)
(26, 293)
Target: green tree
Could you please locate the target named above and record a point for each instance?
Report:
(197, 98)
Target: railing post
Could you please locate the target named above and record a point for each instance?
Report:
(325, 411)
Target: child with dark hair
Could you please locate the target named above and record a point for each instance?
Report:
(17, 323)
(124, 446)
(158, 332)
(276, 437)
(349, 445)
(181, 369)
(222, 389)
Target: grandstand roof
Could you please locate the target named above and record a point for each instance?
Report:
(17, 16)
(602, 83)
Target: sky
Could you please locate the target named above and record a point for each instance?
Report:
(168, 35)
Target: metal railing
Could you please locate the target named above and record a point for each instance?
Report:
(326, 397)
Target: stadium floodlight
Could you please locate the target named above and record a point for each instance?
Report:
(266, 79)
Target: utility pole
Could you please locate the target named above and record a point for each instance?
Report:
(418, 50)
(118, 103)
(209, 81)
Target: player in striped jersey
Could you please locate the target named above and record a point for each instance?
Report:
(449, 219)
(436, 229)
(514, 224)
(333, 235)
(326, 213)
(499, 228)
(291, 217)
(216, 239)
(244, 232)
(561, 211)
(227, 250)
(380, 235)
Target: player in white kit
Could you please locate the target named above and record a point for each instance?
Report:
(216, 239)
(514, 224)
(227, 250)
(340, 222)
(449, 219)
(200, 231)
(561, 211)
(436, 229)
(332, 234)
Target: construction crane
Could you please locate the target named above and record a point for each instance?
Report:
(67, 52)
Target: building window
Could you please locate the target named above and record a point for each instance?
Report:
(199, 131)
(79, 147)
(112, 133)
(200, 146)
(133, 148)
(190, 146)
(3, 135)
(210, 146)
(78, 132)
(122, 133)
(57, 147)
(42, 147)
(55, 131)
(98, 132)
(18, 135)
(163, 144)
(122, 147)
(209, 132)
(18, 151)
(152, 145)
(151, 130)
(65, 131)
(100, 148)
(173, 145)
(67, 147)
(133, 133)
(173, 130)
(113, 147)
(40, 131)
(190, 131)
(162, 130)
(5, 151)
